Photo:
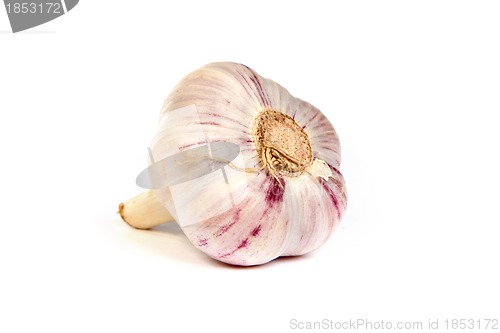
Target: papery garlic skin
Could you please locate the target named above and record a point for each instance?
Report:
(284, 214)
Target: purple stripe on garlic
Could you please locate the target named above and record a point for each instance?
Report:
(283, 195)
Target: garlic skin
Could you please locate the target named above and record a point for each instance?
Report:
(287, 194)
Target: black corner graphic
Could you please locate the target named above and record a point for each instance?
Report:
(26, 14)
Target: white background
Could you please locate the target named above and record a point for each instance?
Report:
(412, 87)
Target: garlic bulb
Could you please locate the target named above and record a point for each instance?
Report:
(280, 194)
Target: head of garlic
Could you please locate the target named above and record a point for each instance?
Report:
(281, 195)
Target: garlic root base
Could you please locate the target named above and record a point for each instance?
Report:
(144, 211)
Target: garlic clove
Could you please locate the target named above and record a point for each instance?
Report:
(275, 224)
